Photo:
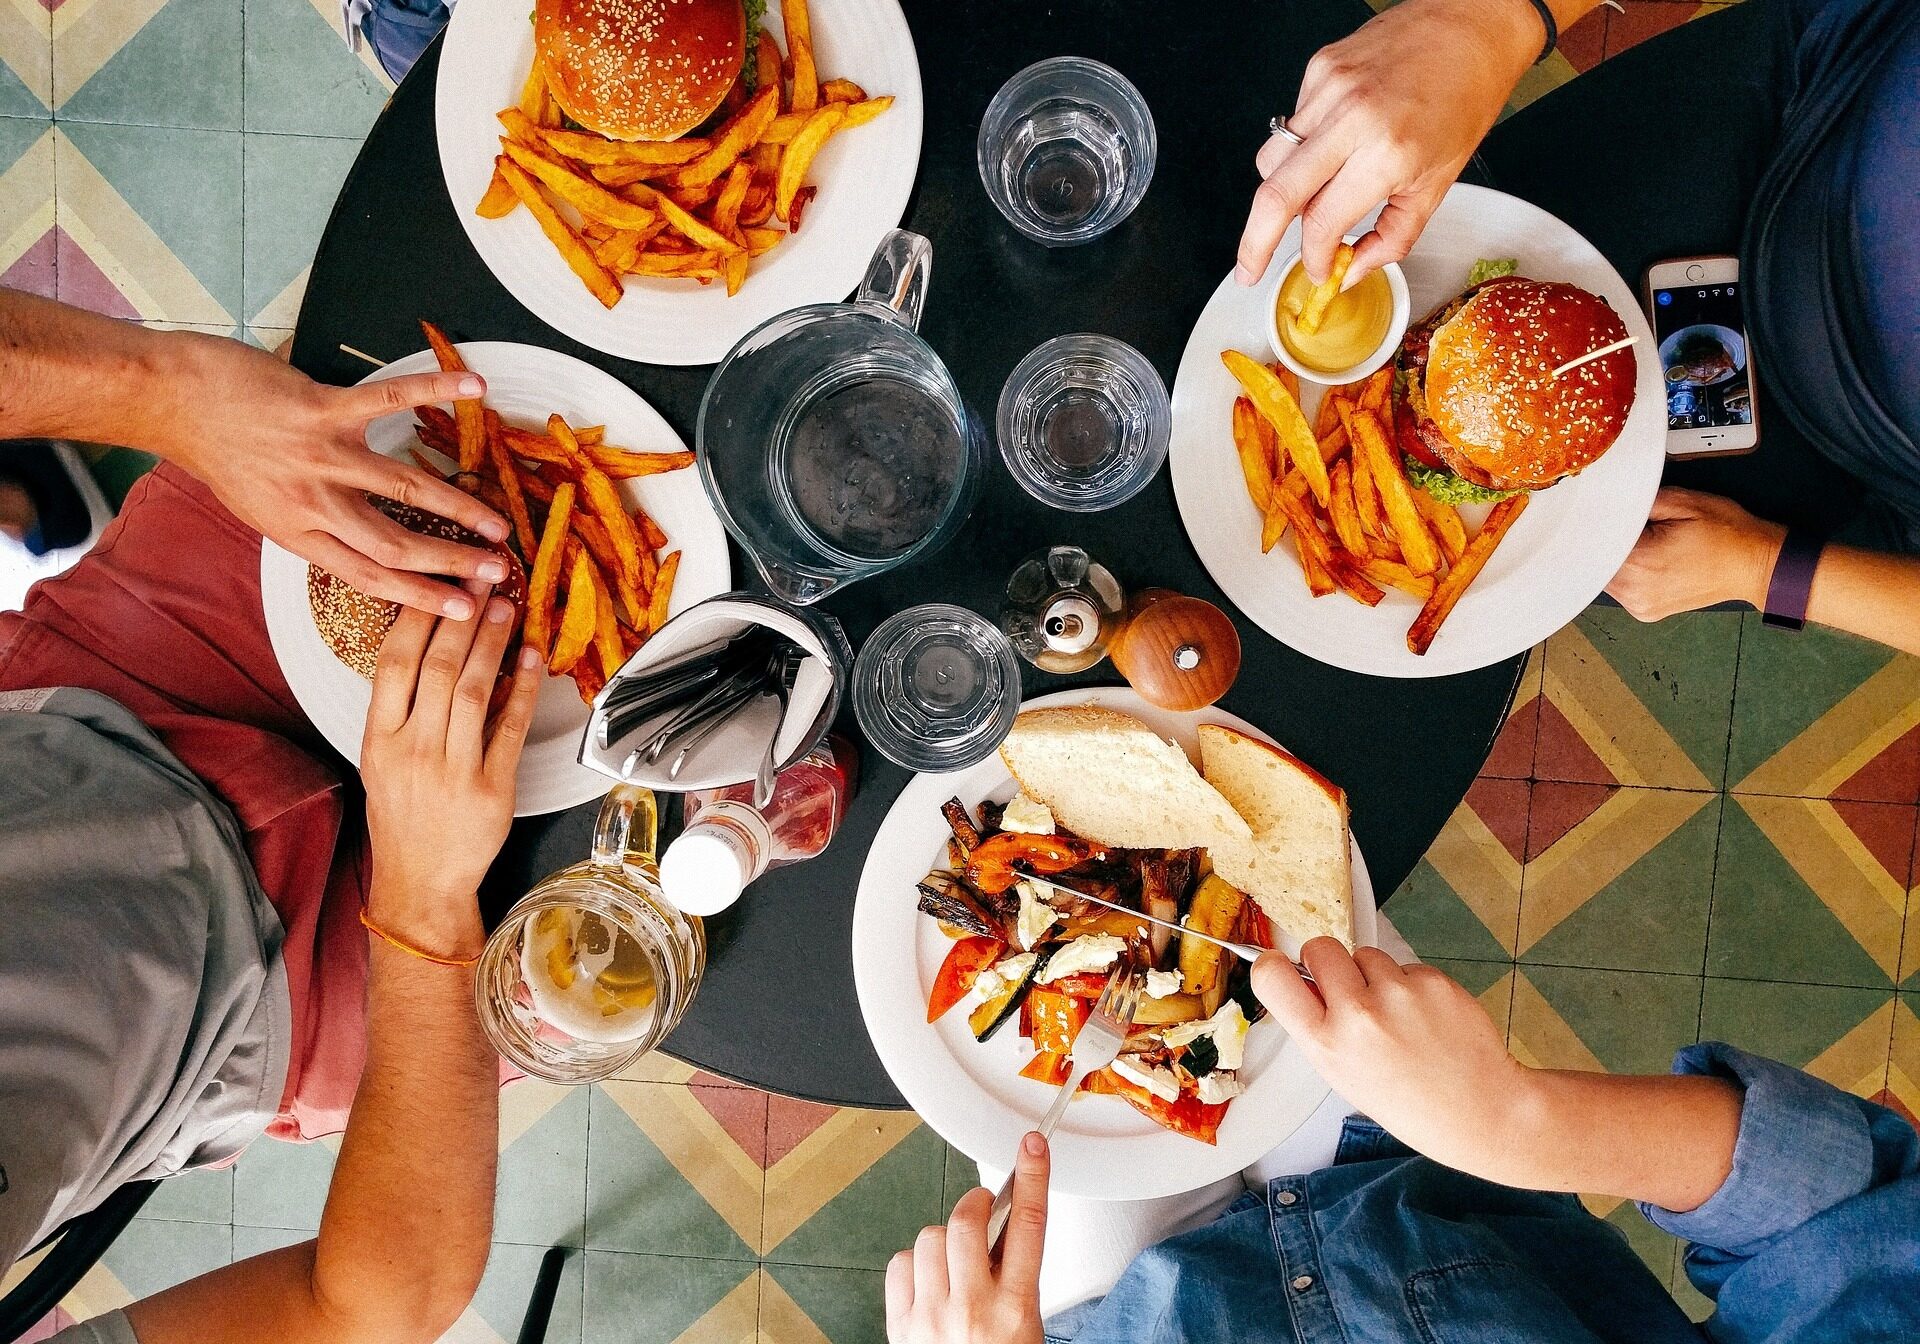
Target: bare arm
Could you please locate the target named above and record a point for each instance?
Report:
(287, 455)
(1699, 550)
(1416, 1052)
(409, 1217)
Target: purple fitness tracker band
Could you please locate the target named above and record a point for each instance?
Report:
(1791, 586)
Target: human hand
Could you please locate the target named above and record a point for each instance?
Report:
(1391, 113)
(439, 779)
(1697, 550)
(947, 1290)
(1403, 1045)
(289, 457)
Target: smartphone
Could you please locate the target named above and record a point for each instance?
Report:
(1706, 360)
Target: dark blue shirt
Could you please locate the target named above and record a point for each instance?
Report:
(1814, 1236)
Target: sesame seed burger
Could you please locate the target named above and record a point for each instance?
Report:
(1477, 410)
(355, 625)
(640, 69)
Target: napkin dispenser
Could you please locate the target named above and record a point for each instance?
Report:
(732, 753)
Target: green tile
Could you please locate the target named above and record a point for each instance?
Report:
(653, 1297)
(507, 1287)
(1791, 1023)
(269, 339)
(16, 98)
(185, 186)
(300, 77)
(27, 161)
(1681, 669)
(1787, 681)
(193, 1197)
(542, 1182)
(150, 1256)
(1695, 1303)
(290, 185)
(961, 1174)
(182, 68)
(17, 135)
(1437, 923)
(1768, 924)
(638, 1201)
(848, 1305)
(1653, 916)
(283, 1185)
(1632, 1021)
(1657, 1250)
(252, 1241)
(881, 1211)
(1477, 976)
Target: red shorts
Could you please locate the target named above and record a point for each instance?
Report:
(164, 616)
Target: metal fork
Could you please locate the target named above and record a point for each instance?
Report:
(1097, 1046)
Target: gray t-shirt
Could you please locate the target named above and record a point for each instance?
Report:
(144, 1018)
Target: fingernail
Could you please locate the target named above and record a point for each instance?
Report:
(529, 656)
(499, 610)
(1243, 276)
(456, 608)
(1033, 1145)
(493, 571)
(495, 529)
(470, 386)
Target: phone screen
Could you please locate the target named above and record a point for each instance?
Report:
(1703, 354)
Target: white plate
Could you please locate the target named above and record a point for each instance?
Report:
(525, 384)
(864, 176)
(1566, 546)
(971, 1092)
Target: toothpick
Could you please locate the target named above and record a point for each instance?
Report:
(1592, 355)
(362, 354)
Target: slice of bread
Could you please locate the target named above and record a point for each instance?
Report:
(1109, 778)
(1298, 866)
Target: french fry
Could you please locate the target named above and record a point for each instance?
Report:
(694, 264)
(1447, 592)
(624, 464)
(596, 150)
(586, 676)
(602, 499)
(436, 430)
(763, 240)
(864, 111)
(733, 194)
(469, 425)
(584, 194)
(1273, 520)
(1382, 462)
(1327, 418)
(499, 200)
(1333, 443)
(521, 127)
(599, 545)
(502, 463)
(798, 157)
(757, 211)
(1390, 574)
(543, 586)
(799, 30)
(766, 62)
(606, 635)
(734, 271)
(1289, 380)
(425, 463)
(1373, 518)
(695, 231)
(662, 593)
(1346, 574)
(1254, 465)
(619, 250)
(650, 531)
(589, 435)
(735, 137)
(1345, 514)
(1446, 523)
(842, 91)
(579, 621)
(1314, 310)
(595, 231)
(1271, 399)
(533, 92)
(801, 200)
(596, 277)
(1373, 392)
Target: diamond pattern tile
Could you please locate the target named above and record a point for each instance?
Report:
(150, 63)
(294, 48)
(1839, 1034)
(26, 58)
(27, 240)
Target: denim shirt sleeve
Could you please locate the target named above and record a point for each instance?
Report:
(1804, 1148)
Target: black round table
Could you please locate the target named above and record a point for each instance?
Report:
(778, 1009)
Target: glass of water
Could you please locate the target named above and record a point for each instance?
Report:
(1084, 422)
(936, 687)
(1066, 150)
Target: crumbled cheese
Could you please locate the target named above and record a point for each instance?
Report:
(1219, 1086)
(996, 978)
(1163, 984)
(1155, 1079)
(1027, 817)
(1035, 916)
(1089, 952)
(1228, 1027)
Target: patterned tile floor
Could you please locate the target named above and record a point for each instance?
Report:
(1701, 828)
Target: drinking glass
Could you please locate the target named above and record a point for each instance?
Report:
(936, 687)
(832, 440)
(1066, 150)
(1084, 422)
(593, 967)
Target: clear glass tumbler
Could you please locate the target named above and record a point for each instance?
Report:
(1084, 422)
(936, 687)
(1066, 150)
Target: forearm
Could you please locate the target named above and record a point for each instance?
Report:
(1867, 593)
(1665, 1140)
(69, 374)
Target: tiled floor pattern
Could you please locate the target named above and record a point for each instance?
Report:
(1698, 829)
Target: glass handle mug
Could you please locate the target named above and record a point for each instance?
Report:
(593, 967)
(833, 441)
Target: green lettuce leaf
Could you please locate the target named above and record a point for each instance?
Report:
(1489, 269)
(1449, 488)
(756, 13)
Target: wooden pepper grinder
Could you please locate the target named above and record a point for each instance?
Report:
(1179, 652)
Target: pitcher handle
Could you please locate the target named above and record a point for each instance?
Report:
(897, 277)
(627, 829)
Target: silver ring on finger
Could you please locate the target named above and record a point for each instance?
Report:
(1280, 128)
